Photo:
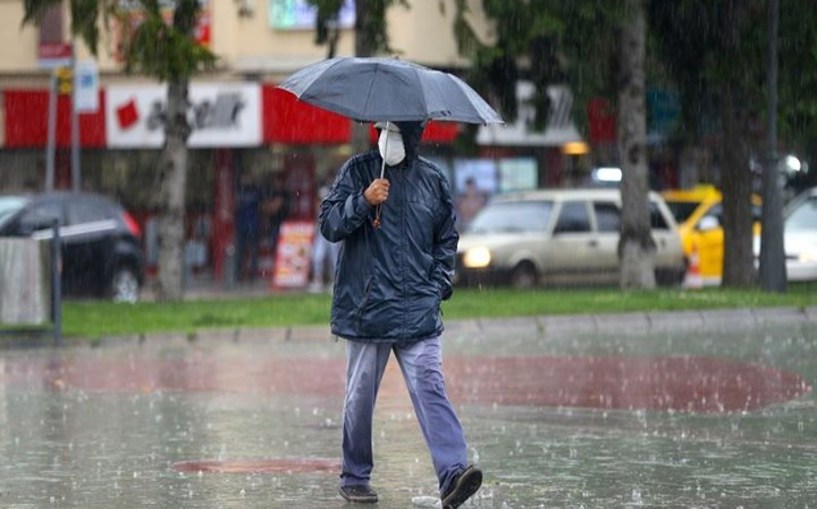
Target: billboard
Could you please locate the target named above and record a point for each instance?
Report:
(299, 15)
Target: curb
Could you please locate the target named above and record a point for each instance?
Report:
(664, 321)
(539, 326)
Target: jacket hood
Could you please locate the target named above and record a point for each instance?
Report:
(411, 132)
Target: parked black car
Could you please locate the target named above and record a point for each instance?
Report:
(101, 243)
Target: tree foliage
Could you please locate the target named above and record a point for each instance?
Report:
(157, 48)
(546, 42)
(371, 27)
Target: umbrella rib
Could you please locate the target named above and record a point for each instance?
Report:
(371, 87)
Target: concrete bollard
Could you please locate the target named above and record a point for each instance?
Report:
(25, 282)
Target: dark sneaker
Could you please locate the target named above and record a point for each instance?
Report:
(462, 487)
(359, 494)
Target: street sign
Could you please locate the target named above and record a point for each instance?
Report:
(86, 84)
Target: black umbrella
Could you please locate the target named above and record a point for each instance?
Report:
(378, 89)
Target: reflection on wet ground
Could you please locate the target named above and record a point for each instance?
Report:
(692, 419)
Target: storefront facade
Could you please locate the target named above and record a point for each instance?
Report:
(243, 127)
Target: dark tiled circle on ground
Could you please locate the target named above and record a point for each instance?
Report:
(683, 384)
(661, 383)
(260, 466)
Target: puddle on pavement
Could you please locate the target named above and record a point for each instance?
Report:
(554, 422)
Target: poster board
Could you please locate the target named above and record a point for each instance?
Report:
(294, 254)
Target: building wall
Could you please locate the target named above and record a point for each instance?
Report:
(247, 45)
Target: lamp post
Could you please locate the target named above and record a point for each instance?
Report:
(772, 252)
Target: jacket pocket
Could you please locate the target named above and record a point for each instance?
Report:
(365, 298)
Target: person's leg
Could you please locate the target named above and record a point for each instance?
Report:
(421, 364)
(239, 256)
(253, 248)
(366, 363)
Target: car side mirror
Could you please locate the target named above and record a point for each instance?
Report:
(708, 223)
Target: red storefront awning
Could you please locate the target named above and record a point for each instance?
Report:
(27, 120)
(287, 120)
(435, 132)
(290, 121)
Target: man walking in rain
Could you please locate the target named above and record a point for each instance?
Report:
(398, 246)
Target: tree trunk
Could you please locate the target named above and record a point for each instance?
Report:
(173, 182)
(736, 180)
(364, 47)
(636, 248)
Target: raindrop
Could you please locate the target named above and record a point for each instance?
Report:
(425, 501)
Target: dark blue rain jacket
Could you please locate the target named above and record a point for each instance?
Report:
(389, 281)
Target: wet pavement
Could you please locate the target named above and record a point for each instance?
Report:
(697, 409)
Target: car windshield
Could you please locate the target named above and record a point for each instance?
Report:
(804, 216)
(681, 210)
(9, 205)
(510, 217)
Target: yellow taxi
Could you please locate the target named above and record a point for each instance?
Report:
(699, 214)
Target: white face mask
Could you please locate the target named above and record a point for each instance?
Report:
(391, 147)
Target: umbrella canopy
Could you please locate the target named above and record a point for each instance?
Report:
(388, 89)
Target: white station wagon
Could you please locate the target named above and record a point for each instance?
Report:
(560, 237)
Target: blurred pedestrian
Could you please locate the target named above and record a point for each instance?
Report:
(469, 203)
(398, 245)
(276, 208)
(247, 228)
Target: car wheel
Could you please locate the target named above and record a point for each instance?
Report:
(124, 285)
(524, 276)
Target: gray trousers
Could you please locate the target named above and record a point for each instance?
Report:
(421, 364)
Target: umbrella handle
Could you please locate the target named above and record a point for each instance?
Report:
(376, 220)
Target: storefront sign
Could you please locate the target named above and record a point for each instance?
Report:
(559, 130)
(299, 15)
(221, 115)
(52, 50)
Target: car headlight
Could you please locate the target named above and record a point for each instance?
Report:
(808, 256)
(477, 258)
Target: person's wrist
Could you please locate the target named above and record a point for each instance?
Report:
(365, 200)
